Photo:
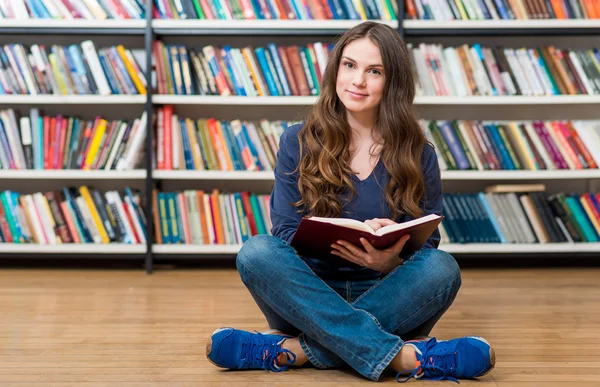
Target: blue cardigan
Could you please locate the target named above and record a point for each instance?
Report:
(368, 203)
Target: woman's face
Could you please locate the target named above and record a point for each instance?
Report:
(360, 80)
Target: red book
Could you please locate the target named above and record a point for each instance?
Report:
(315, 235)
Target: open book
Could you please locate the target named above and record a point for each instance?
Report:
(315, 235)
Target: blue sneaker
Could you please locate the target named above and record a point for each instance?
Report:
(235, 349)
(462, 358)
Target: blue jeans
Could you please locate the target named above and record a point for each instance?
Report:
(362, 324)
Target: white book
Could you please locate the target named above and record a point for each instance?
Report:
(18, 77)
(481, 79)
(241, 71)
(421, 66)
(115, 148)
(137, 222)
(83, 10)
(458, 76)
(526, 65)
(36, 221)
(209, 220)
(225, 219)
(44, 218)
(537, 142)
(262, 155)
(52, 9)
(136, 145)
(446, 74)
(89, 51)
(12, 133)
(62, 9)
(582, 75)
(234, 218)
(88, 219)
(184, 217)
(541, 75)
(590, 138)
(20, 10)
(513, 63)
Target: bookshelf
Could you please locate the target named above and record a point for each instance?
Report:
(200, 32)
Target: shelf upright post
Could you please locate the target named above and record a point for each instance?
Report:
(400, 17)
(148, 40)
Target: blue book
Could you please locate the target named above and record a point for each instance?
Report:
(187, 152)
(105, 63)
(235, 75)
(491, 216)
(262, 62)
(454, 145)
(279, 68)
(234, 151)
(497, 139)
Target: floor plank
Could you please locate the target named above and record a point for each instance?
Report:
(104, 328)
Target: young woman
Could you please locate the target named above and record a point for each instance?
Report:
(361, 154)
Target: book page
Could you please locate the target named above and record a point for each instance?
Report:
(410, 223)
(345, 222)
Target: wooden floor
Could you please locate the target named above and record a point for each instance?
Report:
(125, 328)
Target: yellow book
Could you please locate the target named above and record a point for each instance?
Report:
(198, 162)
(85, 194)
(359, 9)
(461, 10)
(253, 71)
(95, 144)
(131, 70)
(57, 74)
(525, 151)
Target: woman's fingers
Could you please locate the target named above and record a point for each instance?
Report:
(373, 224)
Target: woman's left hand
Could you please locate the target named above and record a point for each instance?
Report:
(383, 261)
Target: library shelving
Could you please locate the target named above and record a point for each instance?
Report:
(144, 32)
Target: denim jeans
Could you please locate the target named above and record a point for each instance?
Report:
(362, 324)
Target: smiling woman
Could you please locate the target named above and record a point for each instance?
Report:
(361, 154)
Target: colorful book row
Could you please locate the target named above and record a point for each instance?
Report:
(72, 215)
(522, 214)
(502, 9)
(67, 142)
(276, 9)
(515, 145)
(274, 70)
(73, 69)
(478, 70)
(217, 145)
(209, 218)
(72, 9)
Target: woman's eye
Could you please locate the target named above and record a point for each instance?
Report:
(348, 64)
(377, 72)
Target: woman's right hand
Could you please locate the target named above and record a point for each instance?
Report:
(377, 223)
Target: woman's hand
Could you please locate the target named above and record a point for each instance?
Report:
(378, 223)
(383, 261)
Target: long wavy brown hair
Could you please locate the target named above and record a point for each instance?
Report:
(324, 169)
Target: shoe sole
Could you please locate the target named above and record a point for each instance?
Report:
(209, 347)
(492, 355)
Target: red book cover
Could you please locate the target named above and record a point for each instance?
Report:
(61, 142)
(315, 235)
(248, 209)
(168, 115)
(52, 135)
(46, 151)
